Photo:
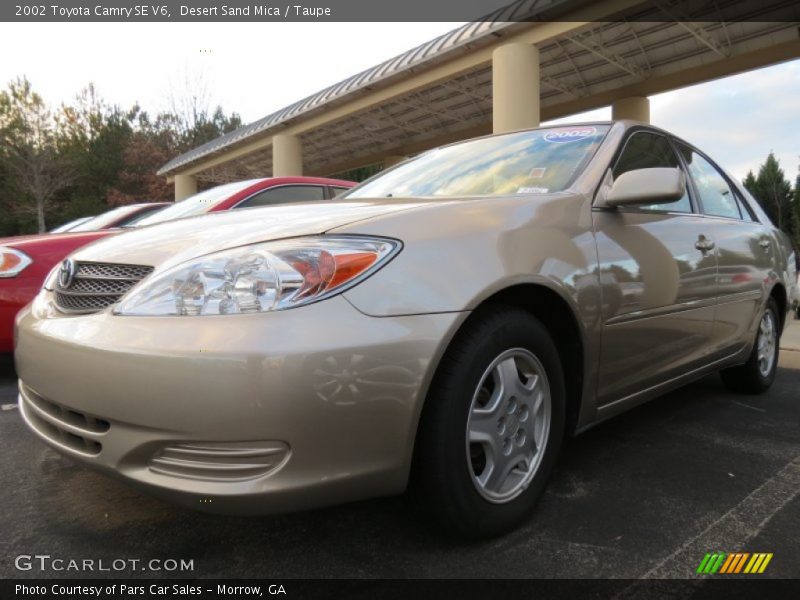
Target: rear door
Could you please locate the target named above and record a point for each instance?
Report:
(744, 252)
(658, 279)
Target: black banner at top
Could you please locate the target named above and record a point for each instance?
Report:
(397, 10)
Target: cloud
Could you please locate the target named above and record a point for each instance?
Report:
(739, 120)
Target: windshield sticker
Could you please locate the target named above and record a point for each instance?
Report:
(537, 173)
(532, 190)
(559, 136)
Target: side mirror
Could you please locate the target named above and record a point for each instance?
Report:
(647, 186)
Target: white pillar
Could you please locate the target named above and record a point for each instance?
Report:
(287, 155)
(515, 87)
(635, 108)
(185, 186)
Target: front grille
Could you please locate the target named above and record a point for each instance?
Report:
(95, 286)
(90, 270)
(66, 427)
(100, 286)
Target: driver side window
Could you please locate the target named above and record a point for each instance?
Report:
(645, 150)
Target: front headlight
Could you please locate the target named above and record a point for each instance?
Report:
(13, 262)
(260, 277)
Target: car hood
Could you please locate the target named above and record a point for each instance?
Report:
(166, 244)
(30, 243)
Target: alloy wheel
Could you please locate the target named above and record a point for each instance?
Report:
(508, 425)
(767, 343)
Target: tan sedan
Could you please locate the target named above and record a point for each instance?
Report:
(444, 325)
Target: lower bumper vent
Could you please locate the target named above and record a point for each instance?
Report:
(61, 425)
(222, 462)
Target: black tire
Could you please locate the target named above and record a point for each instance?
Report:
(748, 378)
(442, 480)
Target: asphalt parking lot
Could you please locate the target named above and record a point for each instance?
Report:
(644, 495)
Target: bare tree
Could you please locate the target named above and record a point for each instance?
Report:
(196, 120)
(189, 101)
(29, 147)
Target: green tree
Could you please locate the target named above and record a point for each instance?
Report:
(30, 153)
(775, 195)
(85, 155)
(95, 137)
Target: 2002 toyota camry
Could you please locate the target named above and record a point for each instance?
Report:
(445, 324)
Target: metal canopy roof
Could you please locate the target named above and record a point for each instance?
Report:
(649, 47)
(464, 37)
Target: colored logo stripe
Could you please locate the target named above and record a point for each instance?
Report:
(758, 563)
(712, 562)
(724, 563)
(735, 563)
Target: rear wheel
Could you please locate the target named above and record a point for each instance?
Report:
(492, 426)
(758, 373)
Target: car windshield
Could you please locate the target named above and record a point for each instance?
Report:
(70, 225)
(527, 162)
(104, 220)
(197, 204)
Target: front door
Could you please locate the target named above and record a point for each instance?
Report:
(658, 273)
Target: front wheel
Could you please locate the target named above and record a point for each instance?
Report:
(758, 373)
(492, 425)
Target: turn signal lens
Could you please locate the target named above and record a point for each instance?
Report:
(12, 262)
(260, 278)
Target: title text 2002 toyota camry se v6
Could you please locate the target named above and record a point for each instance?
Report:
(445, 323)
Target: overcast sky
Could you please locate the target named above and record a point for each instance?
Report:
(257, 68)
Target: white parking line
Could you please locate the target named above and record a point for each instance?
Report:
(731, 532)
(9, 406)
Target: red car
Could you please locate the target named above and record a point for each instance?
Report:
(25, 261)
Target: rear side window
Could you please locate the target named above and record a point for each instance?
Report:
(744, 209)
(646, 150)
(716, 195)
(337, 191)
(283, 194)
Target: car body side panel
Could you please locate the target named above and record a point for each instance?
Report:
(659, 295)
(452, 262)
(746, 275)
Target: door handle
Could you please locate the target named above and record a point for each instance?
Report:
(704, 244)
(764, 243)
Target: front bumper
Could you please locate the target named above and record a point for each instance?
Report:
(241, 413)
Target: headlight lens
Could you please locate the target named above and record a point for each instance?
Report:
(13, 262)
(260, 278)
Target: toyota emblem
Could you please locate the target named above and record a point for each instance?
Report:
(66, 274)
